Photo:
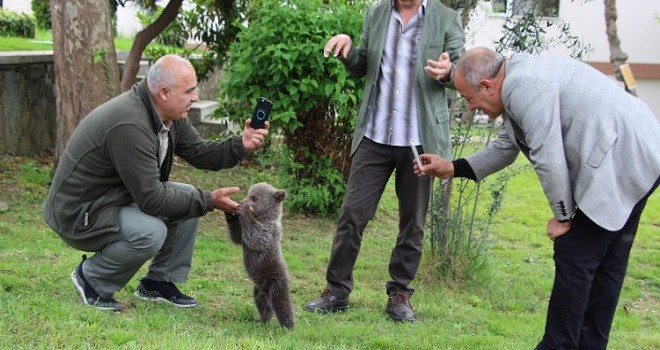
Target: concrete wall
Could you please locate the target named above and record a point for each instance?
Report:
(27, 102)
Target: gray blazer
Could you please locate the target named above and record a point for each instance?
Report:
(442, 32)
(591, 144)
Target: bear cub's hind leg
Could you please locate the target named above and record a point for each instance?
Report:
(282, 304)
(262, 301)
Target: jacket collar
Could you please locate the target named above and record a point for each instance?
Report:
(142, 91)
(422, 7)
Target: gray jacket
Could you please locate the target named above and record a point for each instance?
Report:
(592, 145)
(112, 160)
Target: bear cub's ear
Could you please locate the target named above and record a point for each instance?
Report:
(279, 195)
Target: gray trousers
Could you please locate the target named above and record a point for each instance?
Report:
(169, 243)
(371, 168)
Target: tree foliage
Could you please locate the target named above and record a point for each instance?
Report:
(209, 21)
(529, 33)
(41, 11)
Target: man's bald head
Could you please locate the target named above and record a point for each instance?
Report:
(477, 64)
(166, 70)
(173, 85)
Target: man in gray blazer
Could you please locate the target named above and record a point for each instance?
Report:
(594, 148)
(405, 54)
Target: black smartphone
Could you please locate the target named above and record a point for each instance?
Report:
(261, 113)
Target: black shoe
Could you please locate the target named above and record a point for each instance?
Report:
(399, 308)
(89, 295)
(153, 290)
(327, 302)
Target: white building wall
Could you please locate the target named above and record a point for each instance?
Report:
(127, 22)
(20, 6)
(638, 25)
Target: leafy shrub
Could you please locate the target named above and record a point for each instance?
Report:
(462, 212)
(319, 188)
(279, 56)
(15, 24)
(41, 10)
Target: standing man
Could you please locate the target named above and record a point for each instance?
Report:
(594, 148)
(404, 52)
(111, 192)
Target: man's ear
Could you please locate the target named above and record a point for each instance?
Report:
(487, 85)
(163, 93)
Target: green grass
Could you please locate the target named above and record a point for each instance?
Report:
(43, 40)
(505, 310)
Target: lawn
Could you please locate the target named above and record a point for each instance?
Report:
(505, 309)
(43, 41)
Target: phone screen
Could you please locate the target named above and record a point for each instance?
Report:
(261, 113)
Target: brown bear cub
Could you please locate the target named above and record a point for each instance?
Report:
(257, 227)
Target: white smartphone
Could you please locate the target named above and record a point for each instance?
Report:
(414, 149)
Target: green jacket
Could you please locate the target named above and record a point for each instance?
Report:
(112, 160)
(442, 32)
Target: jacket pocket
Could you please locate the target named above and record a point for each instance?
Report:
(432, 51)
(441, 115)
(93, 222)
(601, 148)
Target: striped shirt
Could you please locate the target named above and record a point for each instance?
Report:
(393, 112)
(164, 141)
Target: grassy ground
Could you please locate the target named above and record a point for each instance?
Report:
(43, 40)
(506, 310)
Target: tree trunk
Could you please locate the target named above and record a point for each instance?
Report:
(86, 73)
(617, 56)
(143, 38)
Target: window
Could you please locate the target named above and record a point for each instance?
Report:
(544, 8)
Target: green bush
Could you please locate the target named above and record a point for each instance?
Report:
(279, 55)
(41, 10)
(15, 24)
(319, 188)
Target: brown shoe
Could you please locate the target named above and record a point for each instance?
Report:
(399, 308)
(327, 302)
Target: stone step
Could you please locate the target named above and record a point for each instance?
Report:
(201, 110)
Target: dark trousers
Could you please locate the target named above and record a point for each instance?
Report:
(371, 168)
(590, 266)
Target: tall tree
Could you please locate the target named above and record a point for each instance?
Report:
(143, 38)
(86, 72)
(617, 56)
(209, 21)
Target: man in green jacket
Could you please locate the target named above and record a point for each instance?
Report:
(111, 192)
(405, 54)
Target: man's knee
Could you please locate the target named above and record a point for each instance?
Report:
(147, 242)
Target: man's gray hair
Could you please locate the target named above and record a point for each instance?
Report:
(159, 75)
(477, 64)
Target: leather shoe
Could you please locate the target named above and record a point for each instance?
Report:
(327, 302)
(399, 308)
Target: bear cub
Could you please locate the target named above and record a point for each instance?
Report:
(257, 227)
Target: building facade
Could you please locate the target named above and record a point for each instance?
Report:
(638, 26)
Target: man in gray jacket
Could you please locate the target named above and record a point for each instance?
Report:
(594, 148)
(111, 192)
